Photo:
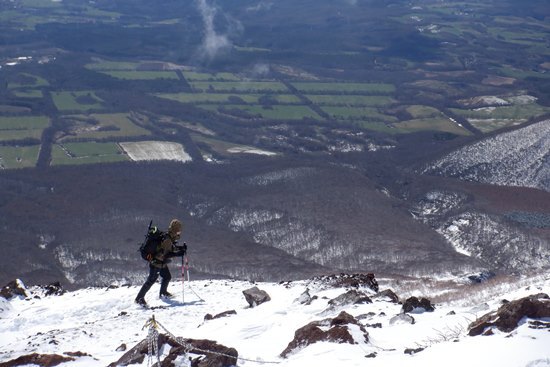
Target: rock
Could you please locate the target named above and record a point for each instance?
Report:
(351, 297)
(305, 298)
(13, 289)
(42, 360)
(402, 318)
(481, 277)
(412, 351)
(122, 348)
(507, 317)
(338, 332)
(254, 296)
(387, 294)
(53, 289)
(212, 353)
(220, 315)
(415, 305)
(372, 355)
(351, 280)
(377, 325)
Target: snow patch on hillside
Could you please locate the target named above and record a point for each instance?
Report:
(517, 158)
(482, 236)
(155, 150)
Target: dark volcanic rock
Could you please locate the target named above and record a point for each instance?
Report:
(351, 297)
(387, 294)
(212, 353)
(415, 305)
(506, 318)
(12, 289)
(338, 332)
(42, 360)
(220, 315)
(255, 296)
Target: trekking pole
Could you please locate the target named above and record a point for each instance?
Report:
(184, 268)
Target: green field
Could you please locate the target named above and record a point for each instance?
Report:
(28, 93)
(112, 65)
(23, 123)
(191, 75)
(18, 157)
(229, 98)
(349, 100)
(141, 75)
(77, 101)
(87, 153)
(419, 111)
(436, 124)
(276, 112)
(352, 88)
(357, 113)
(106, 126)
(240, 87)
(25, 80)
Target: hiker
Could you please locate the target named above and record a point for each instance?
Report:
(159, 264)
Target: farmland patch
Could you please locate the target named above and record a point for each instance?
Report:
(275, 112)
(155, 150)
(18, 157)
(349, 100)
(435, 124)
(103, 126)
(240, 87)
(141, 75)
(352, 88)
(87, 153)
(77, 101)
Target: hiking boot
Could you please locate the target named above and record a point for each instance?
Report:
(166, 295)
(141, 301)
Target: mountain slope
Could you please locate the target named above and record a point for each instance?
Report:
(96, 326)
(517, 158)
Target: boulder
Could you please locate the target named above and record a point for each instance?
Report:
(211, 353)
(351, 297)
(43, 360)
(13, 289)
(402, 318)
(338, 332)
(54, 289)
(416, 305)
(388, 295)
(220, 315)
(507, 317)
(255, 296)
(305, 298)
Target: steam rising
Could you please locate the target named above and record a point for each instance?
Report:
(214, 43)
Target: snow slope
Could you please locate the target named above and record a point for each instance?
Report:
(516, 158)
(97, 321)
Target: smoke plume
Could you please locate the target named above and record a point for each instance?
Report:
(213, 43)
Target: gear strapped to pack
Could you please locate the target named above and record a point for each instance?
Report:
(150, 245)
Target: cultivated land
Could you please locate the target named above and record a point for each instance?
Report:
(435, 68)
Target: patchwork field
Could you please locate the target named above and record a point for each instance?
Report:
(77, 101)
(22, 127)
(87, 153)
(104, 126)
(18, 157)
(155, 150)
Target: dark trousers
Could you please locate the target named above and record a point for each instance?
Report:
(154, 273)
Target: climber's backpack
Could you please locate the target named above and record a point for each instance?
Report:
(152, 241)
